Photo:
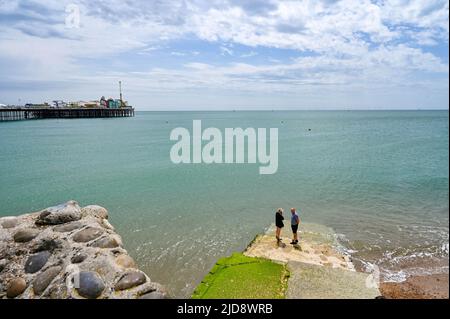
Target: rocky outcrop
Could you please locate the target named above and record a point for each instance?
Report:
(68, 252)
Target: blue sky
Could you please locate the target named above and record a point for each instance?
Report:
(228, 54)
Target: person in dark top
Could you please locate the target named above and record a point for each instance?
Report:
(279, 223)
(295, 221)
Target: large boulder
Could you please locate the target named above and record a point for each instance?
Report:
(35, 262)
(87, 234)
(16, 287)
(44, 279)
(106, 242)
(95, 211)
(25, 235)
(68, 227)
(68, 252)
(91, 285)
(153, 295)
(130, 279)
(60, 214)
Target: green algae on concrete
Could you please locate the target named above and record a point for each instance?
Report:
(242, 277)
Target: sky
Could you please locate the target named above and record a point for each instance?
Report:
(228, 54)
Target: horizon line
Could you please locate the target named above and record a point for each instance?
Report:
(284, 110)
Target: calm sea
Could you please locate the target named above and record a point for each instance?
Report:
(380, 179)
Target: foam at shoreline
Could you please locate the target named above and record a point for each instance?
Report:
(397, 264)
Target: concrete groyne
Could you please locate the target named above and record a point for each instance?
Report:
(313, 269)
(318, 270)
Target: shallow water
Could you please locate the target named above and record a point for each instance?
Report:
(379, 179)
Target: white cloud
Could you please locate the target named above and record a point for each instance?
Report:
(226, 51)
(249, 54)
(175, 53)
(352, 43)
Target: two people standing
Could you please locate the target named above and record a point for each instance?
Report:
(295, 221)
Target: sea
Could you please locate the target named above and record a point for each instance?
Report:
(379, 179)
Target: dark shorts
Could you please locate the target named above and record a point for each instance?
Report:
(280, 225)
(294, 228)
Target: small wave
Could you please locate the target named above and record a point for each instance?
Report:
(404, 274)
(342, 245)
(395, 276)
(444, 248)
(397, 263)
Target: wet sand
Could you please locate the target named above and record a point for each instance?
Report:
(418, 287)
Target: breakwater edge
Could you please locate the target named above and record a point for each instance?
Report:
(67, 251)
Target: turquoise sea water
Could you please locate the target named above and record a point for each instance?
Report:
(380, 179)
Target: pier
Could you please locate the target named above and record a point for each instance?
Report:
(17, 114)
